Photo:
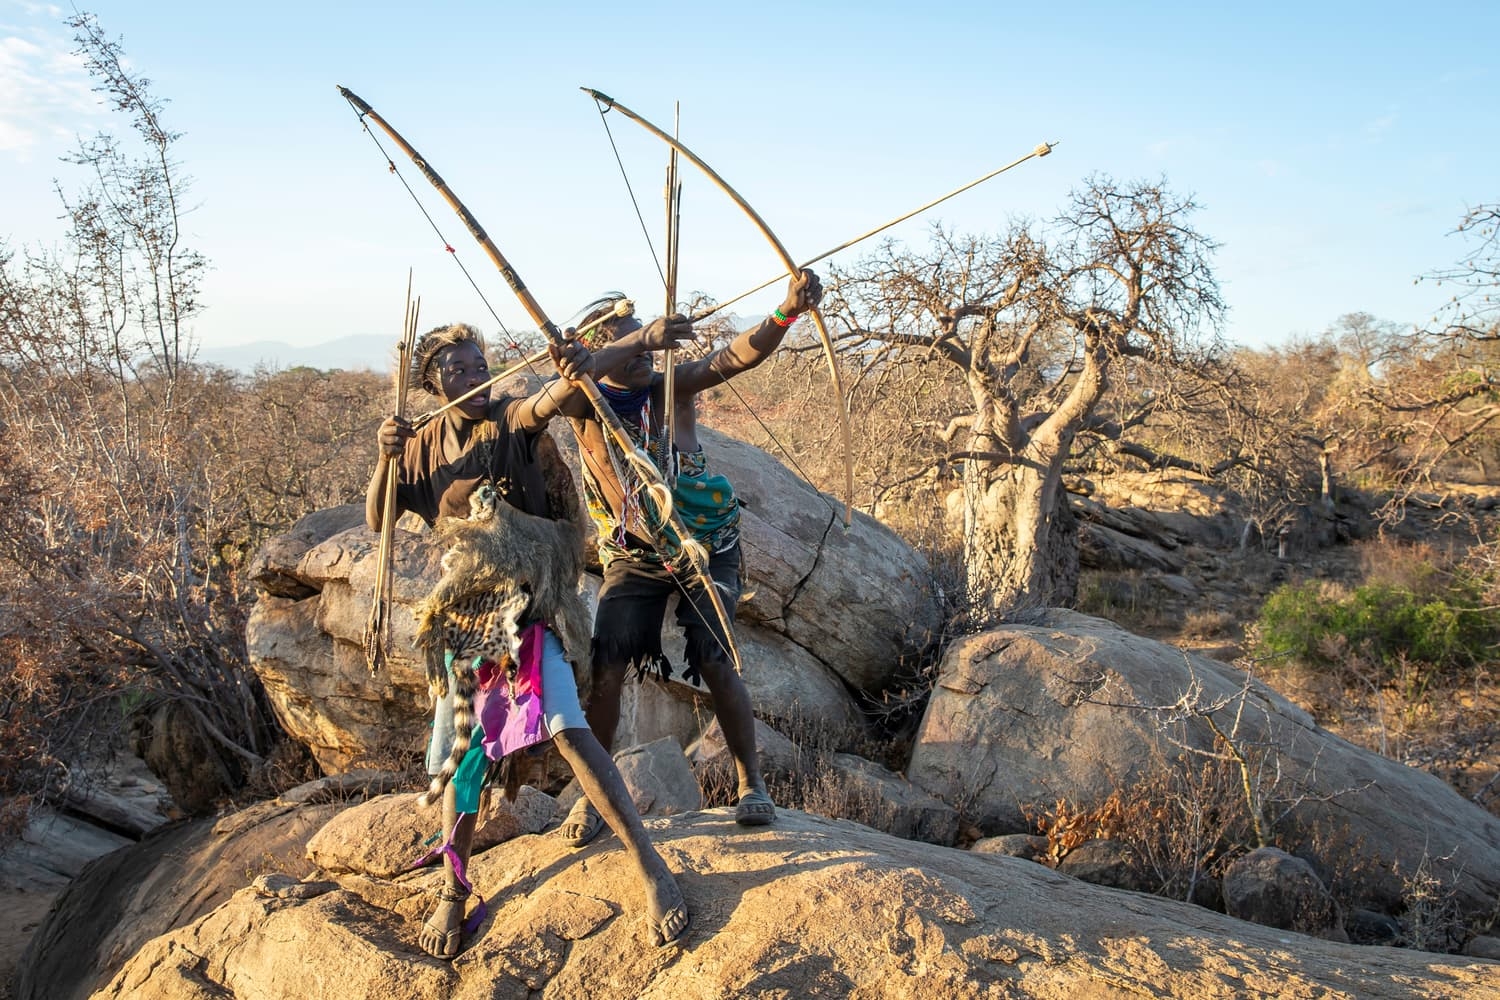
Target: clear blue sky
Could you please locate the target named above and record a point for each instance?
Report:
(1333, 146)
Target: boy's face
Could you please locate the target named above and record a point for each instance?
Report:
(460, 368)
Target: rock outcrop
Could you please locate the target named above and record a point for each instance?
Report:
(100, 811)
(827, 612)
(1074, 707)
(180, 873)
(808, 907)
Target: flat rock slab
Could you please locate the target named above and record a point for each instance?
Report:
(807, 907)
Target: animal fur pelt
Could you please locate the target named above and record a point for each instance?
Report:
(501, 551)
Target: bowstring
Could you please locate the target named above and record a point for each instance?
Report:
(511, 342)
(634, 202)
(672, 244)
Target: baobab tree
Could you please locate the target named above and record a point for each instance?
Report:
(1037, 324)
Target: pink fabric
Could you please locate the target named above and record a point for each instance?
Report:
(511, 711)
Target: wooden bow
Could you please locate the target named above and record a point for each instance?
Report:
(377, 638)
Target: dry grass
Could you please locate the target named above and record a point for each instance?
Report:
(1206, 624)
(813, 782)
(1127, 598)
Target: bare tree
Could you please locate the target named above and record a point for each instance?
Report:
(112, 556)
(1441, 401)
(1474, 307)
(1036, 326)
(1297, 423)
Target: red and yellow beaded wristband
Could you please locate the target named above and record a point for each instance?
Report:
(781, 319)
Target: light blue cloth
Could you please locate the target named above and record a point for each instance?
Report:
(560, 706)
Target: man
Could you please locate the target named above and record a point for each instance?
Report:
(641, 571)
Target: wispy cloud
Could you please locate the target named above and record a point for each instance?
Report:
(44, 88)
(1377, 127)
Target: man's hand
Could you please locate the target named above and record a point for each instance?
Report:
(392, 436)
(667, 331)
(573, 360)
(802, 293)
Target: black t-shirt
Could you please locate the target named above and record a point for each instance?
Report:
(434, 486)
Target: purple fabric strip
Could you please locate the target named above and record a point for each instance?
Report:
(477, 917)
(447, 850)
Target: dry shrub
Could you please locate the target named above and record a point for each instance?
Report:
(286, 766)
(15, 814)
(1430, 920)
(1351, 873)
(396, 756)
(1182, 822)
(813, 782)
(1067, 826)
(1401, 564)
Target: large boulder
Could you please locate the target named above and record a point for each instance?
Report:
(827, 610)
(1269, 886)
(1073, 707)
(309, 653)
(385, 836)
(858, 598)
(808, 907)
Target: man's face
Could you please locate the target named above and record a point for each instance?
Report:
(637, 371)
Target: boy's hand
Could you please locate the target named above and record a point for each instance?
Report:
(392, 436)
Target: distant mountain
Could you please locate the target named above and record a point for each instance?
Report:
(353, 353)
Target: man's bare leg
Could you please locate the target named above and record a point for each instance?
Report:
(603, 711)
(605, 788)
(583, 822)
(731, 701)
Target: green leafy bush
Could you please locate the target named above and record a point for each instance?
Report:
(1446, 630)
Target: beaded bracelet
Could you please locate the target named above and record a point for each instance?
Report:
(781, 319)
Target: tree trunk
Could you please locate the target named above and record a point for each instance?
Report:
(1020, 540)
(1325, 474)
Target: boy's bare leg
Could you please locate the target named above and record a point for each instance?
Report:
(442, 931)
